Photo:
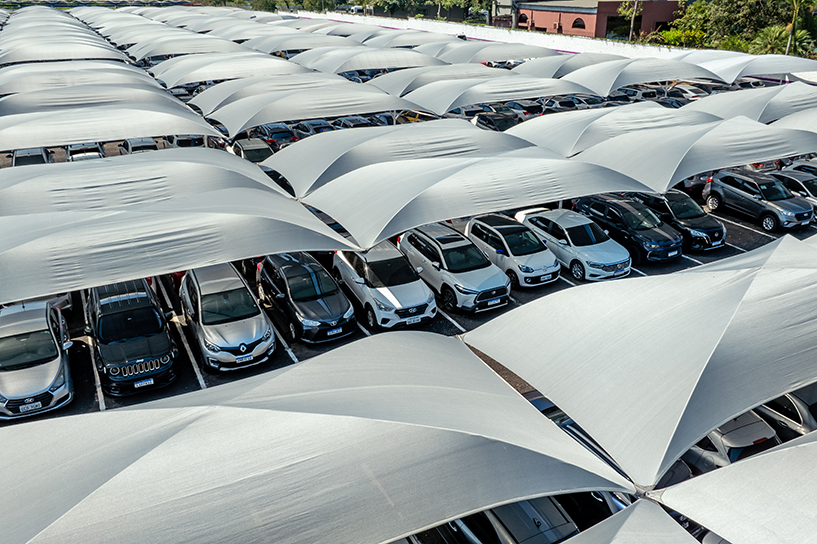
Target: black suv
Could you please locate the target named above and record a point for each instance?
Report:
(633, 225)
(134, 350)
(700, 230)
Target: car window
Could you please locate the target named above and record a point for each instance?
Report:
(479, 233)
(686, 209)
(706, 444)
(791, 184)
(774, 190)
(464, 258)
(541, 222)
(784, 406)
(587, 235)
(807, 168)
(428, 250)
(598, 208)
(731, 182)
(521, 241)
(750, 187)
(557, 232)
(640, 219)
(55, 322)
(257, 155)
(495, 241)
(357, 264)
(615, 217)
(26, 350)
(228, 306)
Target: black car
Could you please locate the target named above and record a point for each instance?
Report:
(494, 121)
(277, 135)
(306, 296)
(700, 230)
(633, 225)
(134, 351)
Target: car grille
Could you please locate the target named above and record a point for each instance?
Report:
(802, 216)
(13, 405)
(139, 368)
(237, 350)
(715, 235)
(493, 293)
(615, 267)
(409, 312)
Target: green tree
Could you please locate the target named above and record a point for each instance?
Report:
(734, 43)
(630, 9)
(796, 7)
(744, 17)
(264, 5)
(770, 40)
(692, 17)
(684, 38)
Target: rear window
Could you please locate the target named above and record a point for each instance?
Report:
(28, 159)
(282, 135)
(257, 155)
(736, 454)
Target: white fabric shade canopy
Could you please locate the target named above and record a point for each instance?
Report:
(804, 120)
(730, 68)
(407, 38)
(571, 132)
(297, 42)
(764, 104)
(103, 222)
(345, 59)
(215, 66)
(761, 499)
(38, 49)
(183, 44)
(662, 157)
(404, 81)
(560, 65)
(681, 354)
(46, 75)
(323, 157)
(373, 204)
(480, 52)
(605, 77)
(443, 96)
(643, 522)
(361, 444)
(345, 29)
(249, 30)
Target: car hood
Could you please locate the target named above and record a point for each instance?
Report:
(136, 349)
(404, 296)
(607, 252)
(482, 279)
(542, 259)
(660, 235)
(236, 333)
(745, 430)
(329, 308)
(29, 381)
(795, 205)
(705, 222)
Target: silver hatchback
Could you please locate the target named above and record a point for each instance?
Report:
(231, 330)
(34, 372)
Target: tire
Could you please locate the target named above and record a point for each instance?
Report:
(514, 279)
(635, 255)
(769, 222)
(293, 334)
(371, 318)
(449, 299)
(713, 202)
(577, 270)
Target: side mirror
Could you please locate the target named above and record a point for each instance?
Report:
(563, 241)
(280, 296)
(757, 197)
(802, 193)
(435, 265)
(360, 281)
(67, 345)
(419, 269)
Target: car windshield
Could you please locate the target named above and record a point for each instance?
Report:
(586, 235)
(521, 241)
(504, 123)
(141, 148)
(811, 185)
(227, 306)
(311, 284)
(464, 258)
(26, 350)
(23, 160)
(774, 190)
(592, 100)
(257, 155)
(686, 209)
(641, 219)
(129, 324)
(391, 272)
(283, 135)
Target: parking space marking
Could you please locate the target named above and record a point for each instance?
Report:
(286, 346)
(514, 300)
(637, 271)
(747, 228)
(364, 329)
(687, 257)
(451, 319)
(735, 247)
(176, 323)
(567, 281)
(97, 382)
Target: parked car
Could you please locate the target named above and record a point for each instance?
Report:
(383, 119)
(252, 149)
(672, 103)
(529, 108)
(634, 226)
(517, 115)
(807, 166)
(464, 112)
(132, 344)
(758, 195)
(224, 317)
(618, 97)
(455, 268)
(515, 249)
(138, 145)
(700, 230)
(637, 93)
(736, 439)
(185, 140)
(81, 152)
(277, 135)
(309, 128)
(578, 243)
(686, 92)
(352, 122)
(35, 376)
(306, 297)
(24, 157)
(564, 104)
(386, 285)
(793, 414)
(494, 121)
(800, 183)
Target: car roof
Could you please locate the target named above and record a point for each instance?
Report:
(294, 262)
(565, 218)
(124, 295)
(22, 318)
(317, 122)
(217, 278)
(621, 201)
(444, 235)
(796, 174)
(383, 251)
(142, 141)
(27, 152)
(497, 220)
(252, 143)
(277, 126)
(754, 175)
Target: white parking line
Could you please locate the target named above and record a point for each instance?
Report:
(637, 271)
(364, 329)
(514, 300)
(97, 382)
(176, 321)
(747, 228)
(687, 257)
(567, 281)
(451, 319)
(286, 346)
(734, 246)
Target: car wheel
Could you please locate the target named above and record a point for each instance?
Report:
(577, 269)
(769, 223)
(713, 202)
(635, 255)
(514, 279)
(449, 299)
(371, 319)
(293, 333)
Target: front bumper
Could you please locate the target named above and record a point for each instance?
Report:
(389, 320)
(712, 240)
(224, 360)
(608, 272)
(120, 387)
(316, 335)
(11, 409)
(664, 253)
(540, 277)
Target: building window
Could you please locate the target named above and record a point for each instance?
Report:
(578, 23)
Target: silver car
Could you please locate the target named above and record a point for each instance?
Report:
(793, 414)
(578, 243)
(225, 318)
(34, 372)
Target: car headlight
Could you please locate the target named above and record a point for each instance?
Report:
(308, 322)
(382, 306)
(697, 233)
(430, 297)
(165, 359)
(3, 399)
(788, 214)
(267, 334)
(349, 313)
(650, 245)
(113, 371)
(591, 264)
(464, 290)
(59, 382)
(211, 347)
(524, 268)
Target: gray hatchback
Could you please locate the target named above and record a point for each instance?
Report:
(759, 195)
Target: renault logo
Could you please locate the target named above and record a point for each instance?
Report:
(29, 400)
(242, 348)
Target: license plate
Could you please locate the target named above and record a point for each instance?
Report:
(333, 332)
(29, 407)
(143, 383)
(545, 277)
(673, 253)
(243, 358)
(413, 320)
(494, 301)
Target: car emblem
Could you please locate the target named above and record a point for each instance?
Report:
(29, 400)
(242, 348)
(412, 310)
(333, 323)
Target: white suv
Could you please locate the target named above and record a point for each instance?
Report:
(455, 268)
(514, 249)
(386, 286)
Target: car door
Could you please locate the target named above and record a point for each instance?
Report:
(733, 195)
(431, 256)
(792, 185)
(479, 237)
(560, 245)
(542, 225)
(752, 202)
(192, 312)
(598, 212)
(616, 227)
(356, 273)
